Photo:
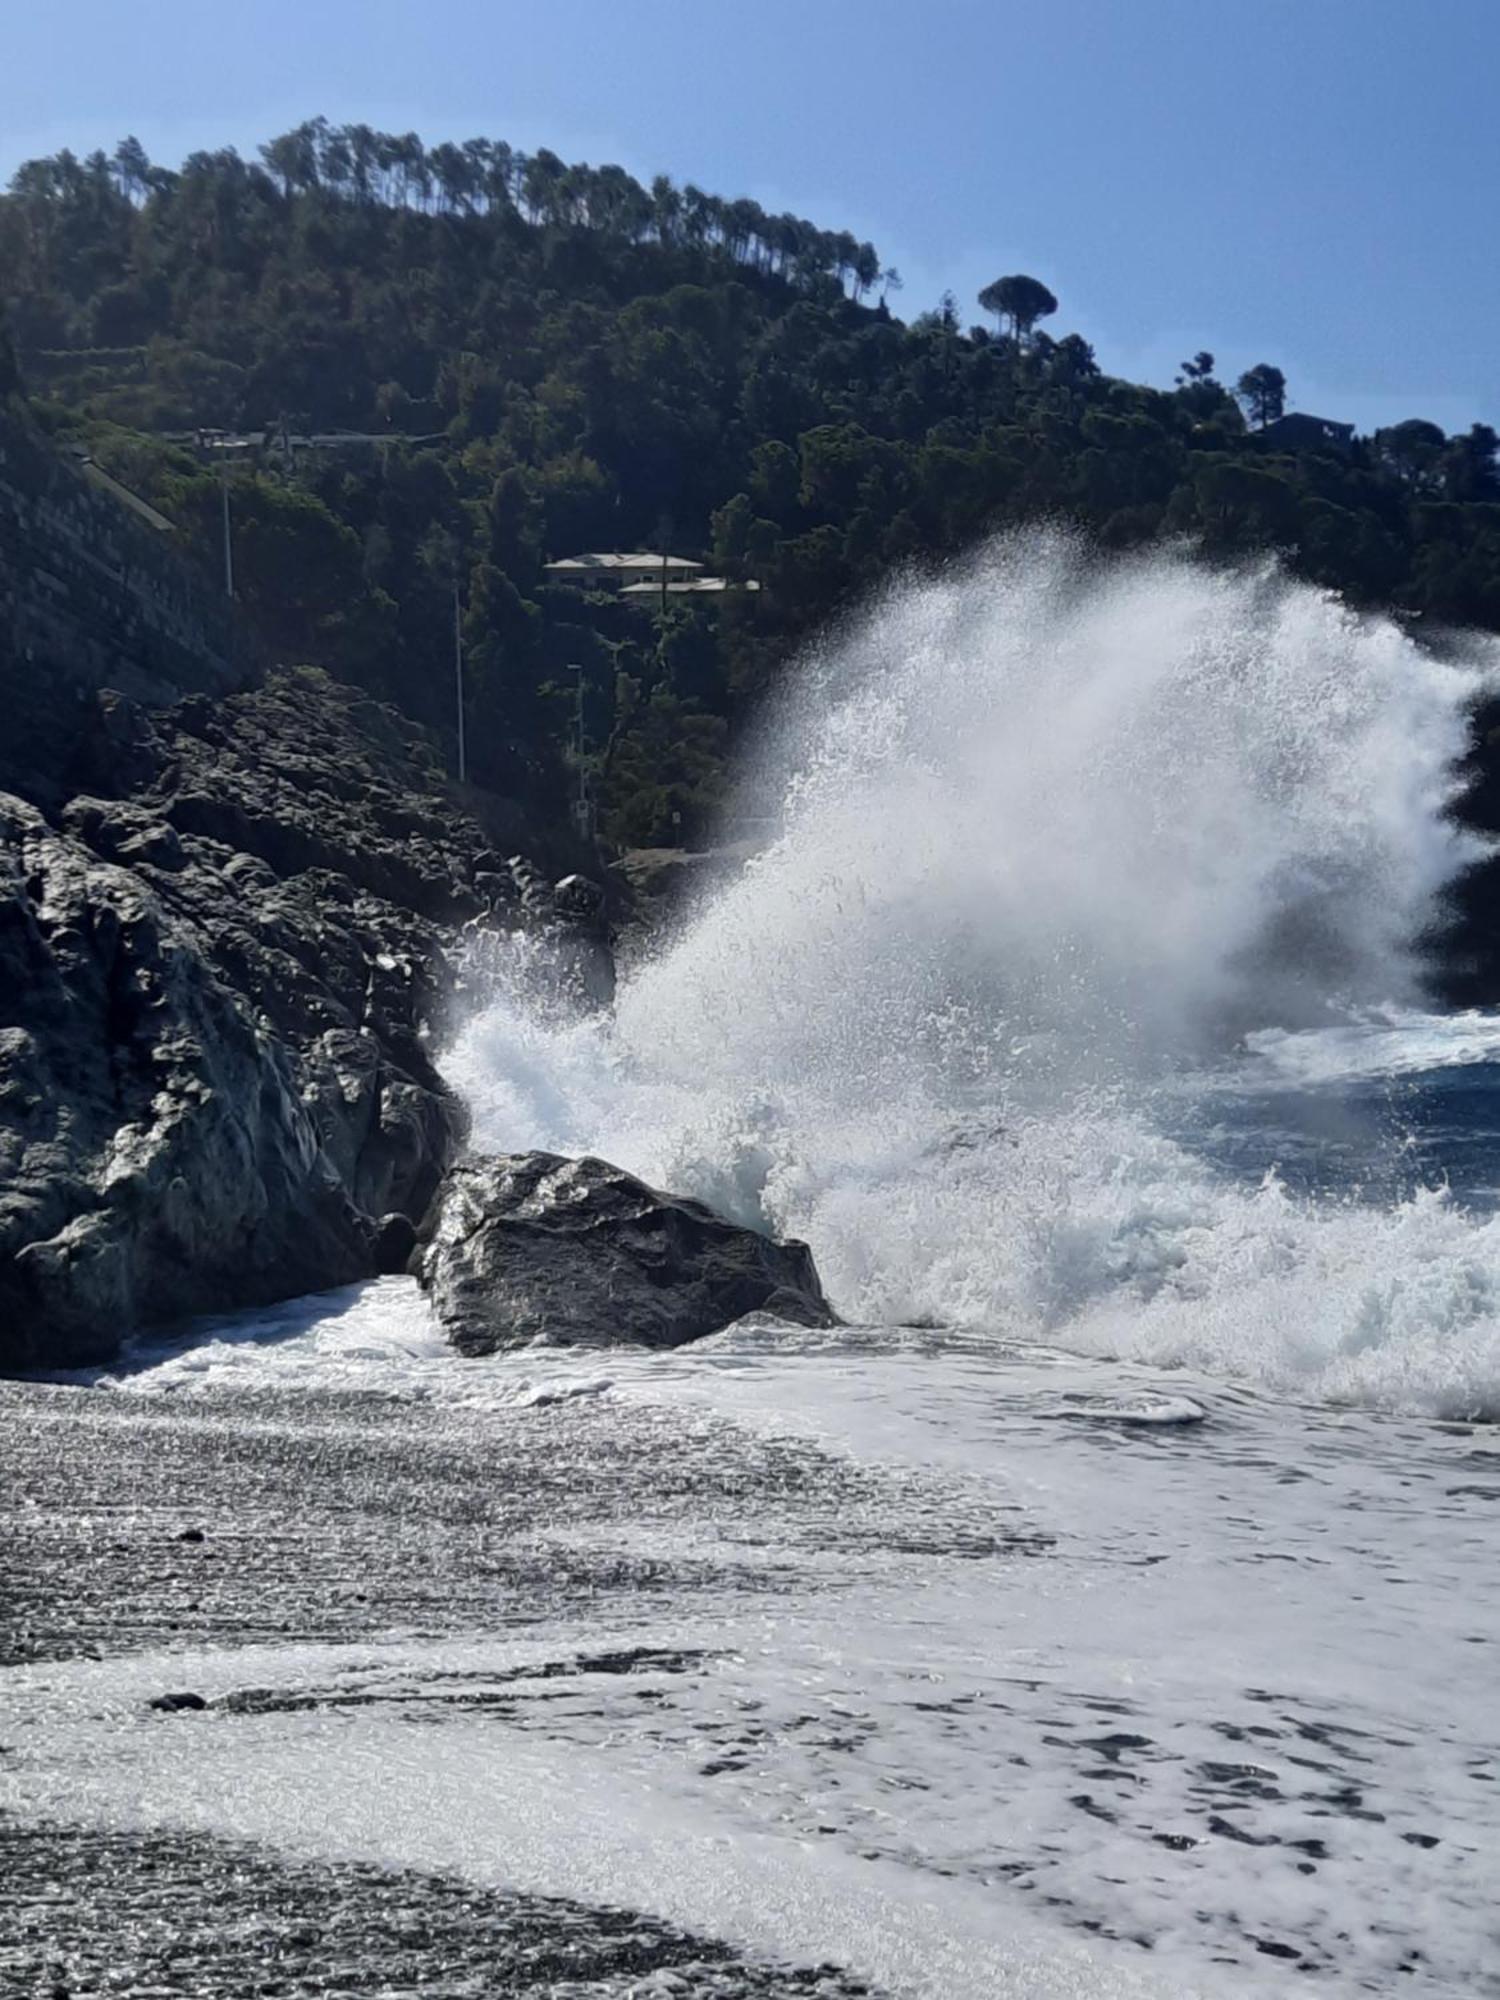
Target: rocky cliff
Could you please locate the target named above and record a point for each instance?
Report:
(222, 963)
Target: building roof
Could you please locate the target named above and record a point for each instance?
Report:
(1303, 424)
(636, 562)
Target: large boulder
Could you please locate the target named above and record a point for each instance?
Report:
(576, 1253)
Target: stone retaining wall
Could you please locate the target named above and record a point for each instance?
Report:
(90, 597)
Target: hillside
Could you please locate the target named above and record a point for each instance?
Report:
(543, 359)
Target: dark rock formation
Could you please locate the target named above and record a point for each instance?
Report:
(532, 1246)
(220, 968)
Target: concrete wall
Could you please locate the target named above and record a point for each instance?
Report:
(90, 597)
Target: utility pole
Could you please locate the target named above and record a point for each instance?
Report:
(458, 683)
(583, 805)
(228, 542)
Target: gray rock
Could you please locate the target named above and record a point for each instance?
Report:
(577, 1253)
(580, 897)
(157, 1152)
(220, 972)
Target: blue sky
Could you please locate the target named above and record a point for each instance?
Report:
(1309, 182)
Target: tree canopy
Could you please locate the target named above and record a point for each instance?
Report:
(1022, 301)
(1262, 390)
(539, 358)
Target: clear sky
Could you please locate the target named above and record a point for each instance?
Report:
(1308, 182)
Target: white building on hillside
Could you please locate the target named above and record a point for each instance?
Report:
(614, 572)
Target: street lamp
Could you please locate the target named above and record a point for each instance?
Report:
(458, 682)
(583, 804)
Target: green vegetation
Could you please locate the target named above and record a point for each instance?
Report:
(552, 358)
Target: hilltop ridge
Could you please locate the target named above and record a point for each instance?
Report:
(555, 358)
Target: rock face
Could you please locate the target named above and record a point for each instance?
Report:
(220, 966)
(531, 1246)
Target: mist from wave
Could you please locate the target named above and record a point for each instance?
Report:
(1054, 836)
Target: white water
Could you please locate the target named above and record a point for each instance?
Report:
(1225, 1678)
(1052, 840)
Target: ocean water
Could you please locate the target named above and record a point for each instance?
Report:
(1078, 998)
(1110, 1606)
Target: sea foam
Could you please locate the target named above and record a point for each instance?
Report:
(1050, 840)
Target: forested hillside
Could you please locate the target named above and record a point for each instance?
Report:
(545, 359)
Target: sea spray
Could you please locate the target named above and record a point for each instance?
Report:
(1053, 837)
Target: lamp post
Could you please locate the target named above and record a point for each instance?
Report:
(228, 539)
(458, 683)
(212, 445)
(583, 805)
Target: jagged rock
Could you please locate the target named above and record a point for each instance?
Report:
(124, 832)
(218, 975)
(578, 897)
(158, 1153)
(535, 1247)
